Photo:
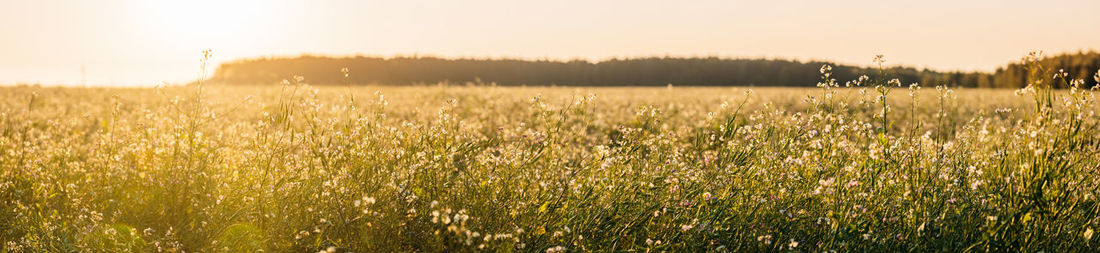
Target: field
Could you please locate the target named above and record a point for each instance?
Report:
(548, 169)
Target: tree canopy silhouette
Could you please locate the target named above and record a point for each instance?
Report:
(651, 71)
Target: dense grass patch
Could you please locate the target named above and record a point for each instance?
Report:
(445, 168)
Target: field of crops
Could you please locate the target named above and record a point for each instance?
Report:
(548, 169)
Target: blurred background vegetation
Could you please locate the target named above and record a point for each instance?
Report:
(654, 71)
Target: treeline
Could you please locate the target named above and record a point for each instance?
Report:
(654, 71)
(1082, 65)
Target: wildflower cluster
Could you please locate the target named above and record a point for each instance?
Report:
(440, 168)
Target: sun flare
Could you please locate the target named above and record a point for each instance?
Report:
(206, 23)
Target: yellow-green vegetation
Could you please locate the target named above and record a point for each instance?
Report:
(879, 166)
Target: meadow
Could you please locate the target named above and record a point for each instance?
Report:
(878, 166)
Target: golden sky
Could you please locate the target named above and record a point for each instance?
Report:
(146, 42)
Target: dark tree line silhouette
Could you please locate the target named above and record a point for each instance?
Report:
(653, 71)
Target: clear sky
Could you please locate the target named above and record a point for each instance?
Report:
(145, 42)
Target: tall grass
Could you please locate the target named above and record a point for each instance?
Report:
(446, 168)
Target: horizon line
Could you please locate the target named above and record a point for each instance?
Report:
(591, 60)
(595, 60)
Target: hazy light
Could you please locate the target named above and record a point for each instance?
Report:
(132, 42)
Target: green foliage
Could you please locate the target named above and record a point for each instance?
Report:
(240, 238)
(441, 168)
(115, 238)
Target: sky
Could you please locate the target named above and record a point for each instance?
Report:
(150, 42)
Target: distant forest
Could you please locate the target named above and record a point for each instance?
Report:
(654, 71)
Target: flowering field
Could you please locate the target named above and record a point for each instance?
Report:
(880, 166)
